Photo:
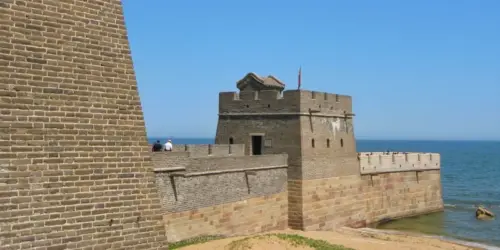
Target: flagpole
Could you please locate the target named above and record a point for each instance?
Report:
(299, 78)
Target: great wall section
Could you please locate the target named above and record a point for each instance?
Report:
(76, 171)
(75, 168)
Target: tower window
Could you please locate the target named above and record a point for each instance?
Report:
(231, 140)
(341, 143)
(327, 143)
(312, 143)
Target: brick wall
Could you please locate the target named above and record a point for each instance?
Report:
(215, 195)
(360, 200)
(75, 164)
(170, 159)
(194, 192)
(379, 162)
(254, 215)
(221, 195)
(201, 150)
(202, 198)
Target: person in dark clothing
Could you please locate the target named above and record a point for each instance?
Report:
(157, 147)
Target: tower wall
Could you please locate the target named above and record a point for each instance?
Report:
(328, 143)
(291, 121)
(267, 101)
(75, 168)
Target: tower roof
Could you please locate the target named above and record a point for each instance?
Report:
(269, 82)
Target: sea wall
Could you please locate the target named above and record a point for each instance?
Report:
(360, 200)
(228, 195)
(384, 190)
(238, 195)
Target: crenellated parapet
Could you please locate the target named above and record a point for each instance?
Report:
(286, 102)
(381, 162)
(206, 150)
(194, 157)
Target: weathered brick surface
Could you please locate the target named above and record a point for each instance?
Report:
(323, 153)
(197, 164)
(170, 159)
(238, 162)
(75, 164)
(249, 216)
(213, 150)
(184, 193)
(378, 162)
(361, 200)
(221, 195)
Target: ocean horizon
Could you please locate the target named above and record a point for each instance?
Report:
(469, 175)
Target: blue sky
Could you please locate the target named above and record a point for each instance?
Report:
(416, 69)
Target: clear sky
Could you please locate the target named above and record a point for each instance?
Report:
(422, 69)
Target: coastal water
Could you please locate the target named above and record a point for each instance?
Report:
(470, 174)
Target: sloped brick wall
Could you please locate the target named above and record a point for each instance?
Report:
(75, 167)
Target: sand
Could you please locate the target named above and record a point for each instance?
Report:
(363, 239)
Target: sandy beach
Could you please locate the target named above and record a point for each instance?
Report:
(364, 239)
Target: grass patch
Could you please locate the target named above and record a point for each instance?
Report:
(244, 244)
(294, 239)
(313, 243)
(195, 240)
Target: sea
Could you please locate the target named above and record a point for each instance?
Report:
(470, 175)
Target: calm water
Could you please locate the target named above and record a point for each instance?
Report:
(470, 176)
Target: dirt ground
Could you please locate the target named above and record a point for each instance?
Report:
(352, 238)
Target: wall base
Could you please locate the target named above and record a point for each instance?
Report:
(357, 201)
(390, 219)
(249, 216)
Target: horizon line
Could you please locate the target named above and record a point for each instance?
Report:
(357, 139)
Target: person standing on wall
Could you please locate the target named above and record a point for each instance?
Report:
(168, 145)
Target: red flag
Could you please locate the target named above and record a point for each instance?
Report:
(300, 77)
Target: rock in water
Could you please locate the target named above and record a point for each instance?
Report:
(484, 214)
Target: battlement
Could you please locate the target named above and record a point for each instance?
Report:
(380, 162)
(205, 150)
(179, 161)
(291, 101)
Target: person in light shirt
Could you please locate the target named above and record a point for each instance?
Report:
(168, 145)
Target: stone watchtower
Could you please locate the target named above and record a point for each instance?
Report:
(315, 129)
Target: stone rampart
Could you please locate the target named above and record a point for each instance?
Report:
(380, 162)
(228, 195)
(357, 201)
(201, 150)
(289, 101)
(235, 195)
